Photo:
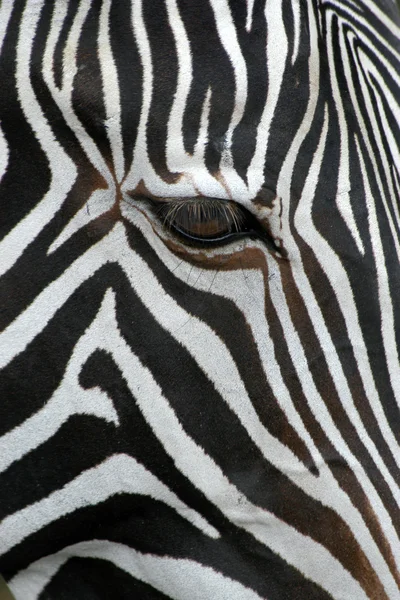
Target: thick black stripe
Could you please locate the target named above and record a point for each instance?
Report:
(202, 413)
(130, 73)
(253, 46)
(229, 323)
(289, 113)
(211, 68)
(87, 96)
(72, 8)
(95, 579)
(18, 287)
(165, 77)
(152, 527)
(26, 179)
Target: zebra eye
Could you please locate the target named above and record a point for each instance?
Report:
(200, 221)
(205, 220)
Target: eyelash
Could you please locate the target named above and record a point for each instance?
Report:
(220, 221)
(207, 220)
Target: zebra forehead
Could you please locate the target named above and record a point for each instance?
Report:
(212, 113)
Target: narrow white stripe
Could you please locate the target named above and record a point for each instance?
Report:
(176, 154)
(388, 330)
(374, 8)
(4, 153)
(386, 307)
(296, 24)
(63, 170)
(356, 21)
(141, 167)
(249, 16)
(339, 281)
(249, 298)
(276, 54)
(103, 199)
(63, 97)
(118, 474)
(380, 89)
(228, 37)
(60, 10)
(99, 202)
(200, 148)
(396, 181)
(177, 578)
(342, 197)
(178, 160)
(364, 130)
(110, 90)
(6, 9)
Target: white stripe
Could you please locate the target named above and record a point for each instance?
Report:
(4, 154)
(119, 474)
(68, 399)
(63, 97)
(386, 307)
(63, 170)
(200, 148)
(176, 154)
(177, 578)
(295, 4)
(339, 281)
(110, 90)
(141, 167)
(342, 196)
(178, 160)
(276, 54)
(228, 37)
(101, 200)
(374, 9)
(369, 68)
(249, 16)
(357, 22)
(388, 330)
(6, 9)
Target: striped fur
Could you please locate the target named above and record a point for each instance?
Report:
(199, 423)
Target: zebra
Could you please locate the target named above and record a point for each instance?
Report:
(200, 294)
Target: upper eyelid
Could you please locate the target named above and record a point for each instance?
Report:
(202, 209)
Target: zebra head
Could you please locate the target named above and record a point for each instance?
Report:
(200, 298)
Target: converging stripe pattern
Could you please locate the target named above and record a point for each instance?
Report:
(215, 422)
